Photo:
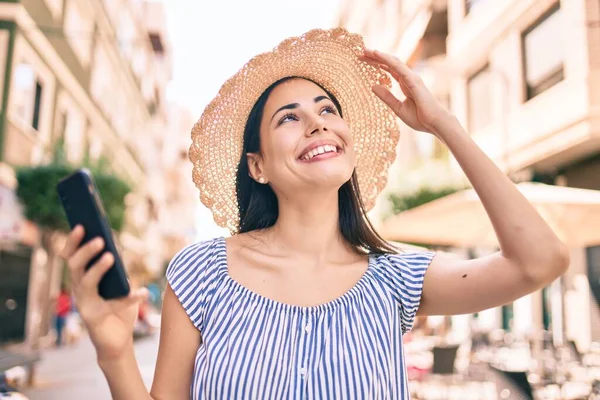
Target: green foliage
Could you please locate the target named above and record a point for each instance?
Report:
(112, 191)
(37, 191)
(420, 197)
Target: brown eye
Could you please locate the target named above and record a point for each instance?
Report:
(287, 118)
(328, 110)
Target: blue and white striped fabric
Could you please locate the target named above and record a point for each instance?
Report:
(257, 348)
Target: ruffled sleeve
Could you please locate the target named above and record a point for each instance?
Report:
(191, 274)
(404, 274)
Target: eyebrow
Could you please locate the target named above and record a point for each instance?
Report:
(292, 106)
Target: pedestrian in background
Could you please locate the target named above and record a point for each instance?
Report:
(62, 310)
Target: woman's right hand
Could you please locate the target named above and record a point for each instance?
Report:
(109, 322)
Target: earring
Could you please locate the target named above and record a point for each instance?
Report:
(261, 180)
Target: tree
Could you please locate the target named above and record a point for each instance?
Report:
(424, 195)
(37, 192)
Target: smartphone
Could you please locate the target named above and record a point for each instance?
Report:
(80, 199)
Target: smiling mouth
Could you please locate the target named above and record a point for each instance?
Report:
(325, 151)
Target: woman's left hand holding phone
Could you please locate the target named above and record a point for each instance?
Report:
(109, 322)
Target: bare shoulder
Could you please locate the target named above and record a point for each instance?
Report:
(247, 241)
(248, 252)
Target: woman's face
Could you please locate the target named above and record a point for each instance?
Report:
(305, 144)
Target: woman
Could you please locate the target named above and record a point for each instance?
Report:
(306, 300)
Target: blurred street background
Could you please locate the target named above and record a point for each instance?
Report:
(116, 85)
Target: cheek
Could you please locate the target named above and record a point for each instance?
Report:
(343, 131)
(279, 149)
(346, 136)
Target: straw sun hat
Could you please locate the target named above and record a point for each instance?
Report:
(328, 57)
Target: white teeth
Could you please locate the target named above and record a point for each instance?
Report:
(319, 150)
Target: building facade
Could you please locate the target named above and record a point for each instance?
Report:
(92, 74)
(523, 78)
(416, 32)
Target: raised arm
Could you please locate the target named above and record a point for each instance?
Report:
(531, 255)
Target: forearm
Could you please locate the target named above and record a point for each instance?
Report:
(523, 235)
(124, 378)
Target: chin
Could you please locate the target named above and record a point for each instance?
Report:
(333, 178)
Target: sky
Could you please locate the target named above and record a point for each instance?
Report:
(212, 39)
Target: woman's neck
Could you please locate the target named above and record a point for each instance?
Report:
(308, 227)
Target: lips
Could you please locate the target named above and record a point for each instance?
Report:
(317, 149)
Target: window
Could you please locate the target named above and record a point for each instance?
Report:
(479, 98)
(593, 270)
(27, 95)
(544, 52)
(471, 5)
(4, 35)
(546, 309)
(507, 317)
(157, 43)
(37, 104)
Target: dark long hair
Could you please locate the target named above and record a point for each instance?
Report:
(258, 205)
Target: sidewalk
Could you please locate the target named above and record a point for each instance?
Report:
(71, 372)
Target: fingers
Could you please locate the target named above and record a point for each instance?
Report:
(393, 64)
(390, 71)
(92, 277)
(134, 297)
(391, 61)
(78, 261)
(388, 98)
(72, 243)
(394, 75)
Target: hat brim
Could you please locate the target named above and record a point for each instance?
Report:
(328, 57)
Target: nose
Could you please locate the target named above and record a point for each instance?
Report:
(317, 125)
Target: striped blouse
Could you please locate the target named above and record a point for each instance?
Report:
(254, 347)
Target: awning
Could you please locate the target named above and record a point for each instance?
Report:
(459, 219)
